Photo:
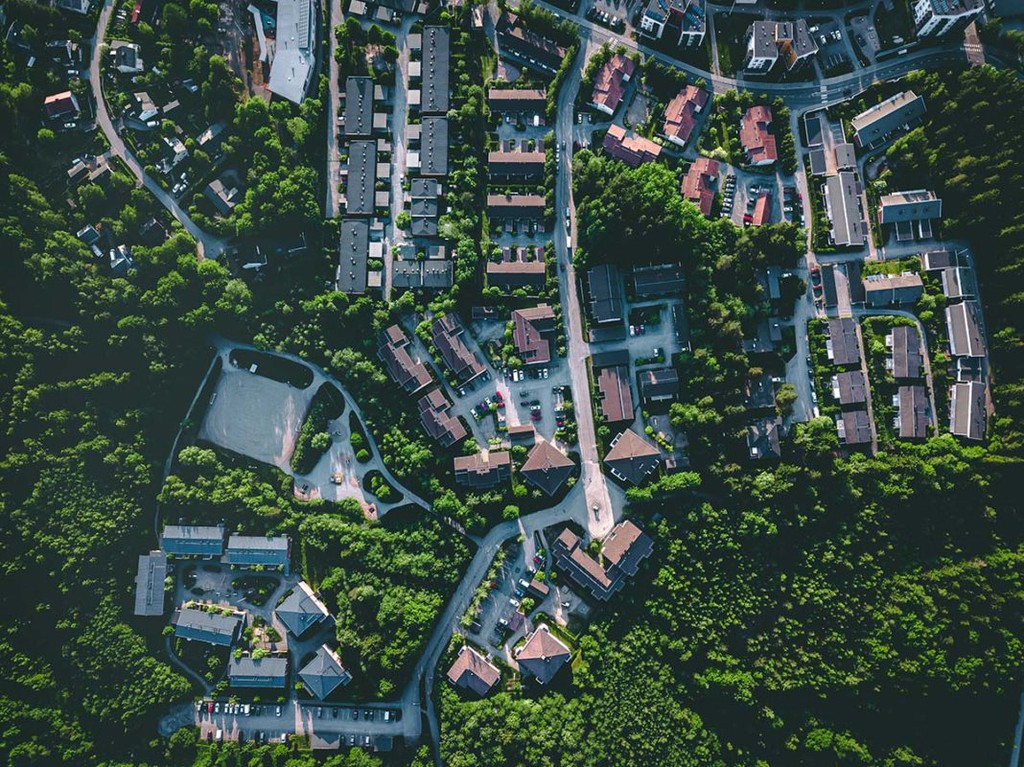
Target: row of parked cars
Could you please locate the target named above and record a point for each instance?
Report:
(728, 195)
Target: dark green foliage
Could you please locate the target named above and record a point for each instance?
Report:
(313, 440)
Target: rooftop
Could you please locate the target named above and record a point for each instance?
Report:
(472, 671)
(631, 458)
(542, 655)
(294, 55)
(301, 610)
(547, 468)
(359, 106)
(149, 583)
(845, 346)
(324, 673)
(353, 252)
(436, 52)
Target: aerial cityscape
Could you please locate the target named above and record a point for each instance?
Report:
(563, 383)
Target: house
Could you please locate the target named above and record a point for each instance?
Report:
(604, 283)
(353, 255)
(843, 345)
(846, 156)
(658, 280)
(126, 57)
(75, 6)
(532, 333)
(513, 275)
(482, 470)
(965, 338)
(629, 147)
(221, 196)
(472, 671)
(686, 18)
(770, 41)
(819, 166)
(149, 583)
(61, 107)
(447, 335)
(193, 540)
(517, 101)
(763, 439)
(610, 83)
(433, 155)
(362, 178)
(906, 360)
(616, 398)
(700, 182)
(759, 393)
(422, 275)
(959, 283)
(515, 206)
(324, 673)
(435, 415)
(216, 628)
(967, 413)
(631, 458)
(258, 551)
(935, 260)
(766, 339)
(523, 434)
(258, 673)
(854, 427)
(912, 412)
(88, 235)
(358, 107)
(547, 468)
(940, 18)
(143, 108)
(526, 47)
(891, 289)
(896, 113)
(849, 387)
(301, 610)
(682, 113)
(910, 212)
(435, 68)
(658, 385)
(295, 50)
(829, 291)
(521, 165)
(424, 193)
(393, 350)
(625, 547)
(762, 210)
(542, 656)
(843, 208)
(759, 147)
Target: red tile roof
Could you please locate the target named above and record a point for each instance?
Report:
(528, 329)
(762, 210)
(632, 148)
(681, 112)
(610, 83)
(757, 142)
(698, 184)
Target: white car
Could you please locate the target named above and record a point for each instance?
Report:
(514, 602)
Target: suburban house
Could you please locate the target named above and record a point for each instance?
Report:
(515, 206)
(849, 387)
(770, 41)
(393, 350)
(205, 541)
(965, 338)
(756, 138)
(301, 610)
(517, 101)
(624, 549)
(261, 673)
(362, 178)
(532, 333)
(224, 198)
(324, 673)
(429, 274)
(846, 156)
(424, 193)
(890, 289)
(967, 413)
(526, 46)
(853, 427)
(447, 335)
(435, 415)
(658, 385)
(841, 194)
(958, 283)
(610, 83)
(907, 360)
(763, 439)
(912, 412)
(61, 106)
(126, 57)
(353, 255)
(759, 392)
(521, 165)
(542, 656)
(216, 628)
(604, 285)
(482, 470)
(436, 61)
(766, 337)
(547, 468)
(149, 583)
(896, 113)
(685, 20)
(658, 280)
(843, 345)
(358, 107)
(616, 398)
(472, 671)
(631, 458)
(938, 18)
(295, 50)
(143, 108)
(681, 114)
(910, 212)
(700, 182)
(258, 551)
(629, 147)
(513, 275)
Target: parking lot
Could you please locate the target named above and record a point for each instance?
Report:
(834, 52)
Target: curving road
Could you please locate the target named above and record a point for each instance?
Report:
(209, 245)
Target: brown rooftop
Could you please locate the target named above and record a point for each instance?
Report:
(631, 457)
(471, 671)
(542, 655)
(547, 468)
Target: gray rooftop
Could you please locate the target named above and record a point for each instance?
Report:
(842, 334)
(359, 106)
(965, 339)
(149, 583)
(880, 120)
(258, 672)
(353, 251)
(301, 610)
(213, 628)
(967, 414)
(842, 204)
(194, 540)
(434, 146)
(917, 205)
(324, 673)
(362, 178)
(436, 52)
(854, 427)
(257, 550)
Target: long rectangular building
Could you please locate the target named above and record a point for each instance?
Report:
(967, 413)
(434, 147)
(149, 583)
(362, 178)
(213, 628)
(358, 107)
(880, 121)
(193, 540)
(258, 551)
(965, 338)
(843, 208)
(436, 62)
(295, 50)
(353, 253)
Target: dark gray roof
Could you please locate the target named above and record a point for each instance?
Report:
(854, 427)
(353, 251)
(760, 392)
(762, 35)
(324, 673)
(362, 177)
(763, 439)
(428, 274)
(965, 339)
(939, 259)
(609, 359)
(658, 384)
(828, 285)
(359, 106)
(149, 583)
(916, 205)
(906, 352)
(193, 540)
(257, 550)
(851, 386)
(842, 334)
(605, 293)
(818, 165)
(846, 159)
(967, 414)
(301, 610)
(213, 628)
(842, 204)
(258, 672)
(434, 146)
(913, 412)
(959, 282)
(436, 52)
(658, 280)
(878, 121)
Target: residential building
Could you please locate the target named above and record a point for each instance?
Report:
(762, 210)
(854, 427)
(763, 439)
(223, 197)
(532, 334)
(424, 193)
(258, 673)
(658, 385)
(433, 155)
(435, 415)
(631, 458)
(358, 107)
(965, 338)
(521, 165)
(216, 628)
(483, 470)
(206, 541)
(700, 182)
(682, 113)
(849, 387)
(967, 412)
(846, 156)
(472, 671)
(75, 6)
(897, 113)
(547, 468)
(830, 294)
(353, 254)
(61, 106)
(526, 46)
(843, 209)
(959, 283)
(907, 360)
(393, 349)
(512, 275)
(819, 165)
(301, 610)
(324, 673)
(766, 339)
(605, 287)
(843, 345)
(435, 66)
(939, 18)
(625, 547)
(542, 656)
(892, 289)
(912, 412)
(295, 50)
(940, 259)
(517, 101)
(126, 57)
(658, 280)
(610, 83)
(616, 398)
(756, 138)
(759, 393)
(447, 335)
(430, 274)
(143, 108)
(362, 178)
(629, 147)
(515, 206)
(910, 212)
(258, 551)
(770, 41)
(684, 20)
(149, 583)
